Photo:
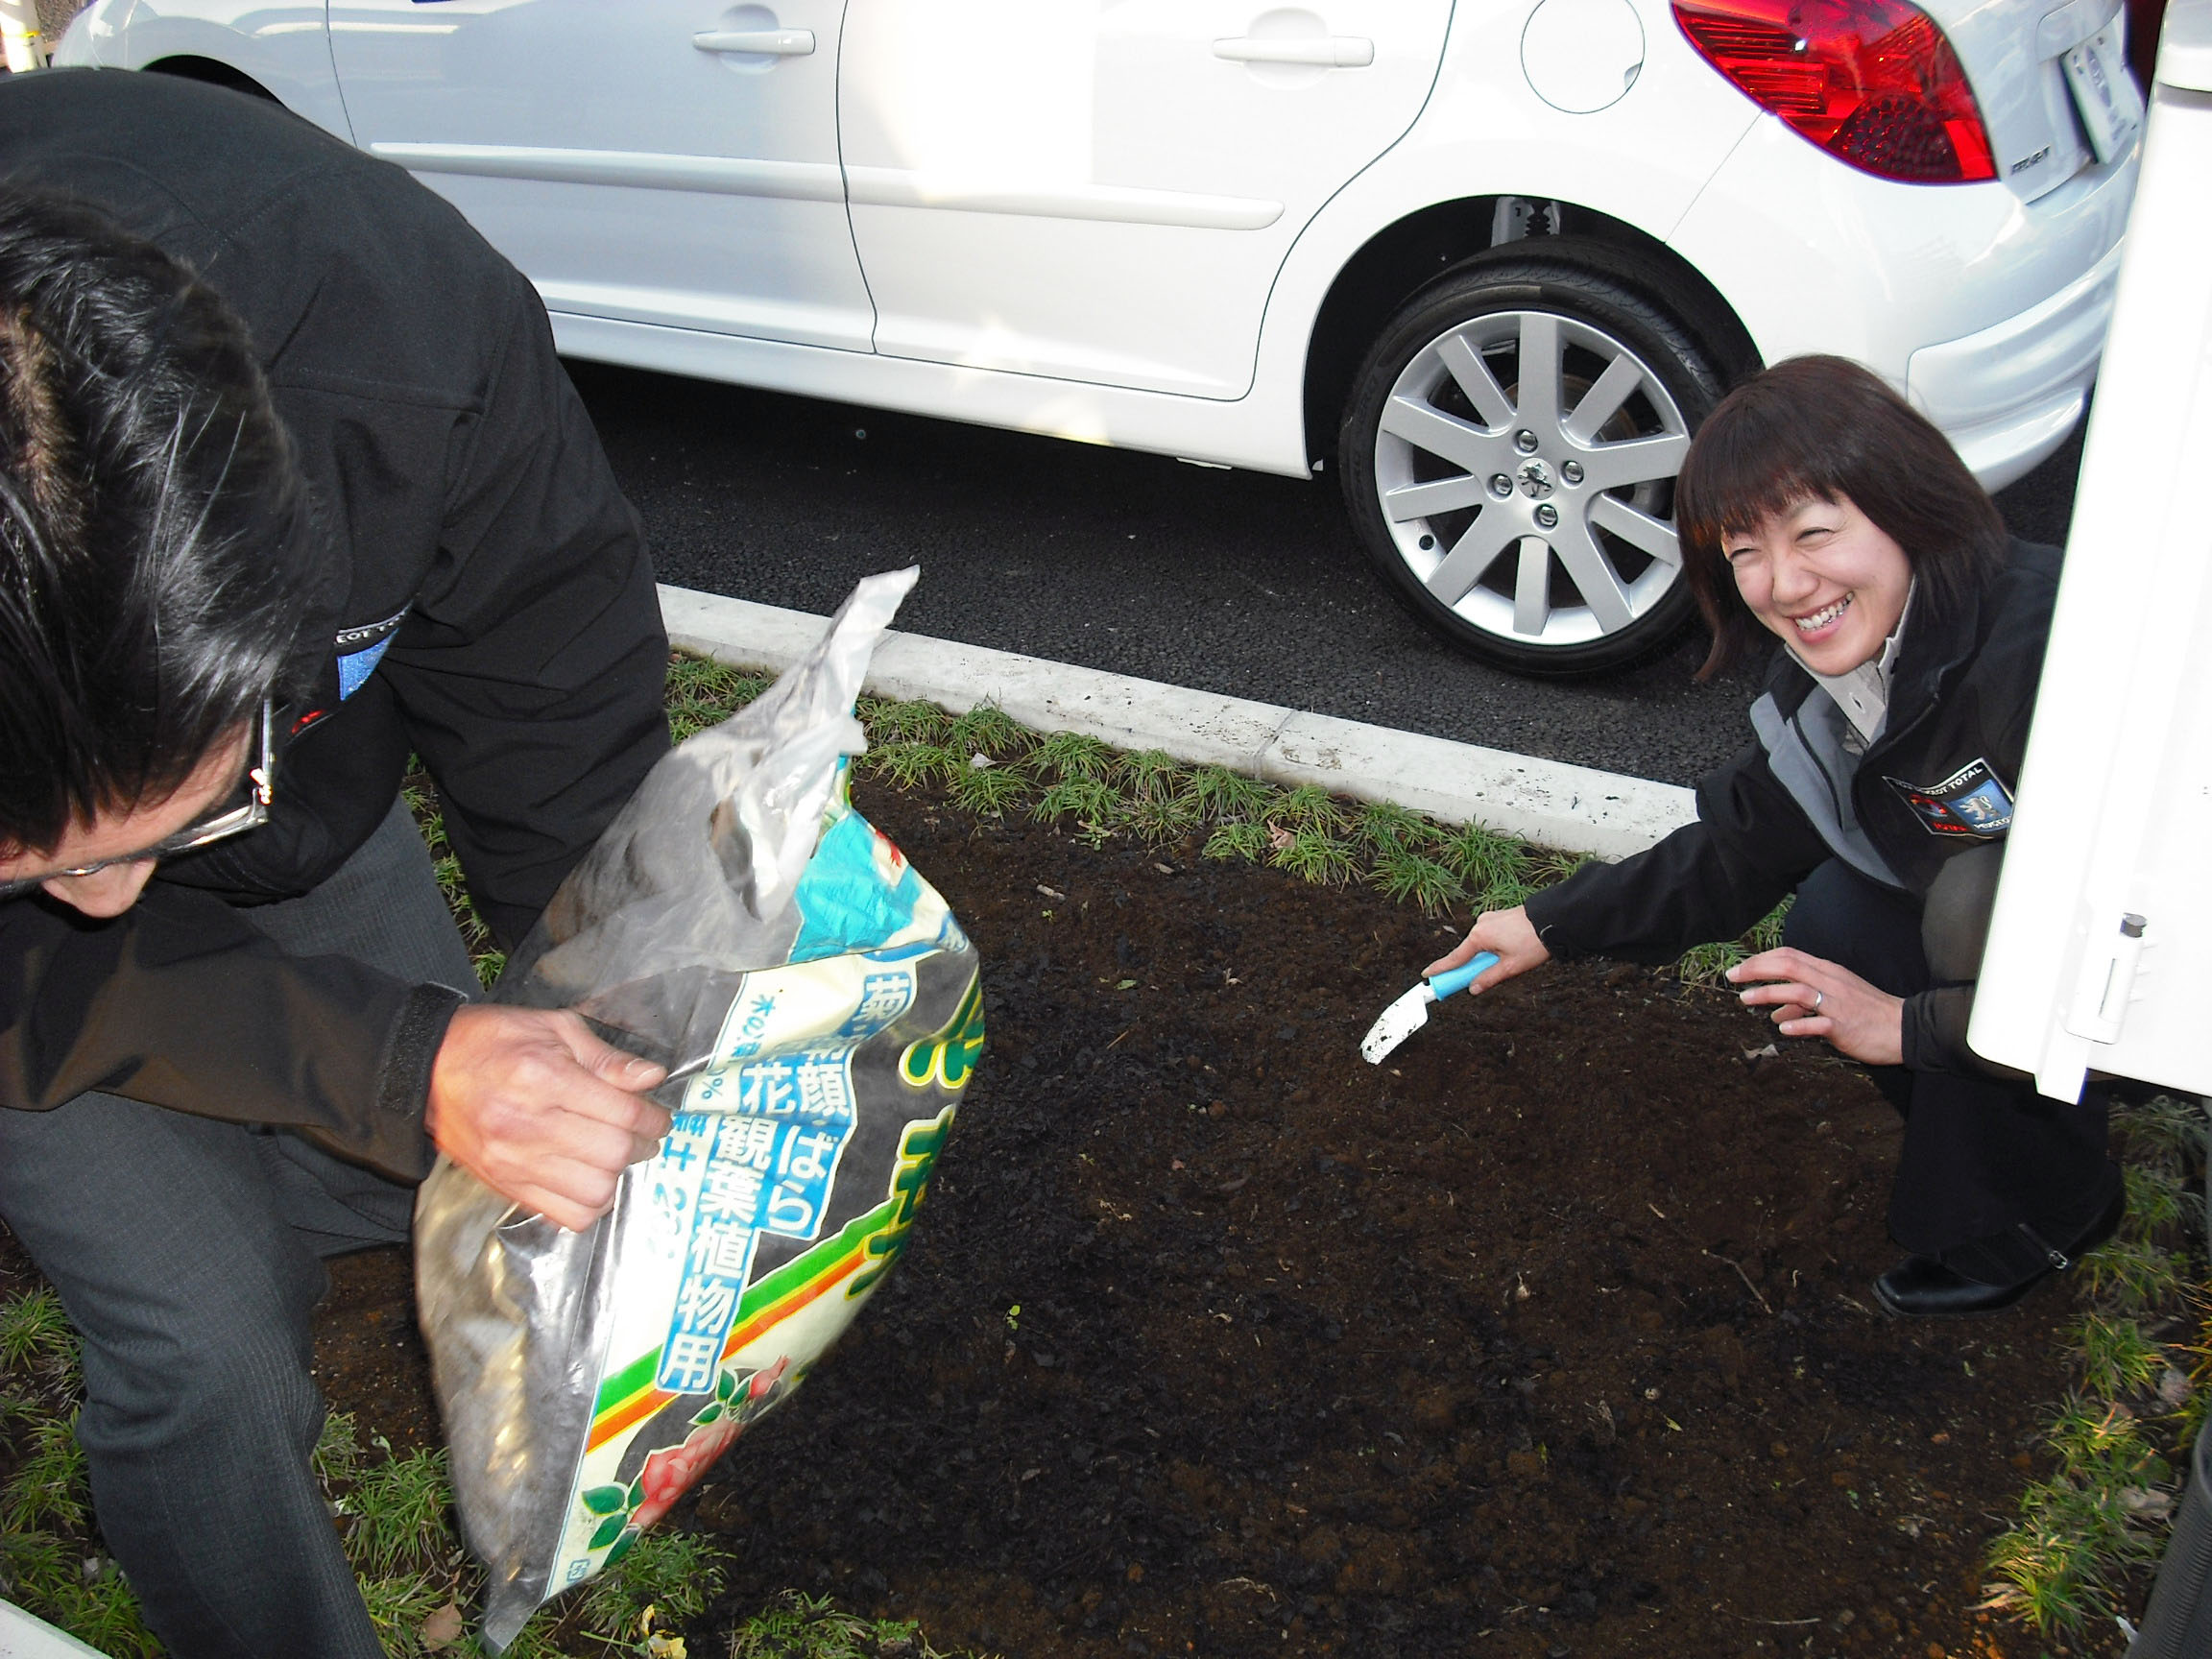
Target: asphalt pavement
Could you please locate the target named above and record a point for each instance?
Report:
(1240, 584)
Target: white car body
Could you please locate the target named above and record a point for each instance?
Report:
(1134, 222)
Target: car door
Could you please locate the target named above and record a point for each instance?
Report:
(660, 162)
(1103, 190)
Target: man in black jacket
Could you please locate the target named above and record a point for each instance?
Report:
(291, 485)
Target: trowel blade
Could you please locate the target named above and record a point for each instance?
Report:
(1398, 1021)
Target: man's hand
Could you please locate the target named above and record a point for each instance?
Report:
(1509, 934)
(540, 1111)
(1813, 998)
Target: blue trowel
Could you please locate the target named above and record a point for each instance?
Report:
(1410, 1012)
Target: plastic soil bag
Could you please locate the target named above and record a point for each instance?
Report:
(819, 1010)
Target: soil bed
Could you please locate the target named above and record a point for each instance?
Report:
(1550, 1336)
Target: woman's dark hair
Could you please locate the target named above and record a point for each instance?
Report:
(154, 546)
(1826, 427)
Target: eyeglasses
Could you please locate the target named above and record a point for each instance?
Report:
(245, 807)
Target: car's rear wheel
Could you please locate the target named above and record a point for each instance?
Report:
(1509, 457)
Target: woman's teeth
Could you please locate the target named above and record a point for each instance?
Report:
(1820, 620)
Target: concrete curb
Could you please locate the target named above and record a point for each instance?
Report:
(23, 1636)
(1574, 809)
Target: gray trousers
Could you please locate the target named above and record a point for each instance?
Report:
(188, 1254)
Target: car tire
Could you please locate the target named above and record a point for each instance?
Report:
(1531, 524)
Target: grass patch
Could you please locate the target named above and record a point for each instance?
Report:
(909, 763)
(1237, 840)
(1071, 755)
(48, 1492)
(1150, 775)
(1157, 819)
(395, 1503)
(2118, 1442)
(1311, 854)
(51, 1561)
(802, 1626)
(34, 1334)
(1089, 801)
(663, 1583)
(1411, 878)
(1220, 796)
(701, 692)
(988, 731)
(987, 789)
(397, 1514)
(1709, 964)
(893, 722)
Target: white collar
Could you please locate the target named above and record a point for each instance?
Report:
(1863, 692)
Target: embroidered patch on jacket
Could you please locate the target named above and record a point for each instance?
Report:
(1970, 801)
(361, 649)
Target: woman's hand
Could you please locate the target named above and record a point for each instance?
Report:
(1506, 932)
(1812, 997)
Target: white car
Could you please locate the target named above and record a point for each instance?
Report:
(1491, 261)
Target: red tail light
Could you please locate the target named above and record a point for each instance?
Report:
(1873, 82)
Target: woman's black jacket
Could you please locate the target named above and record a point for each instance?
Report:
(486, 605)
(1925, 809)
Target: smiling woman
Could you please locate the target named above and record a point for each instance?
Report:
(1818, 506)
(1822, 435)
(1826, 580)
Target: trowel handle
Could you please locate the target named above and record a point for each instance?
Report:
(1444, 984)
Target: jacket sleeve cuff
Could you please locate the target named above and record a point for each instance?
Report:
(1543, 909)
(403, 1073)
(1933, 1036)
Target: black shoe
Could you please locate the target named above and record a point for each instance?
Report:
(1989, 1274)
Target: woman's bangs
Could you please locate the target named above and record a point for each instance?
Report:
(1747, 473)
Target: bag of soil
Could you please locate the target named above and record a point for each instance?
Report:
(819, 1010)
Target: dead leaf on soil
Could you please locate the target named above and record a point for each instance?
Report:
(443, 1628)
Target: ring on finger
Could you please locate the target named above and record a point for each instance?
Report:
(1819, 997)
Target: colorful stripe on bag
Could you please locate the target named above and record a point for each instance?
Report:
(628, 1397)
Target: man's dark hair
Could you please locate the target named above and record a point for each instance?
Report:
(153, 545)
(1825, 427)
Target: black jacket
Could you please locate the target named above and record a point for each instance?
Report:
(1925, 809)
(488, 605)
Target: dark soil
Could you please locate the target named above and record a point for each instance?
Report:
(1548, 1336)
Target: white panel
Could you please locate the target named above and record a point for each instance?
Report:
(621, 157)
(2115, 808)
(1819, 256)
(1265, 434)
(1104, 190)
(1583, 55)
(280, 45)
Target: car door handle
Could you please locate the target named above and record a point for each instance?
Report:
(761, 43)
(1328, 51)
